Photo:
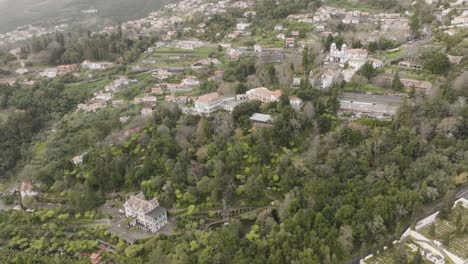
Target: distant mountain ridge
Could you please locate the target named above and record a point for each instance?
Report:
(15, 13)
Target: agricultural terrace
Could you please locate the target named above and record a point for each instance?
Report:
(176, 57)
(445, 231)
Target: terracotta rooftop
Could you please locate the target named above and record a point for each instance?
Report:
(140, 203)
(26, 187)
(264, 92)
(209, 98)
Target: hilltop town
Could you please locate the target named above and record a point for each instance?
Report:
(211, 126)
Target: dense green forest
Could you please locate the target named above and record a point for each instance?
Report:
(60, 48)
(346, 186)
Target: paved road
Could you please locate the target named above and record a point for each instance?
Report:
(434, 207)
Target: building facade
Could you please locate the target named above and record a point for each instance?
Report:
(263, 95)
(208, 103)
(148, 215)
(344, 54)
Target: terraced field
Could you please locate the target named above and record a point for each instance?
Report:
(446, 228)
(179, 57)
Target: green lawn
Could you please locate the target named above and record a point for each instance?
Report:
(394, 55)
(299, 26)
(270, 42)
(180, 57)
(366, 89)
(88, 86)
(354, 5)
(128, 93)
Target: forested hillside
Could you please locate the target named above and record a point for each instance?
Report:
(312, 183)
(18, 13)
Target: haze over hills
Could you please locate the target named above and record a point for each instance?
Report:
(234, 131)
(15, 13)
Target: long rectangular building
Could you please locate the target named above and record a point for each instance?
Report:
(377, 106)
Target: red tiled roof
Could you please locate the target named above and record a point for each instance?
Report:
(26, 187)
(208, 98)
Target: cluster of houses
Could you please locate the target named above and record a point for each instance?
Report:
(92, 65)
(59, 70)
(118, 84)
(241, 29)
(26, 190)
(185, 85)
(461, 17)
(28, 32)
(102, 98)
(388, 22)
(345, 55)
(353, 59)
(166, 20)
(64, 69)
(210, 103)
(456, 13)
(394, 23)
(190, 44)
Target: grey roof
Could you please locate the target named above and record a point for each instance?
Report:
(261, 118)
(156, 212)
(374, 98)
(370, 103)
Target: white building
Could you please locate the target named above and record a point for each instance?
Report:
(376, 63)
(77, 160)
(22, 71)
(26, 190)
(295, 102)
(93, 106)
(146, 112)
(146, 98)
(279, 28)
(148, 215)
(345, 54)
(328, 78)
(290, 42)
(208, 103)
(190, 81)
(161, 74)
(263, 95)
(190, 44)
(100, 96)
(117, 84)
(49, 73)
(96, 65)
(460, 20)
(257, 48)
(281, 36)
(242, 26)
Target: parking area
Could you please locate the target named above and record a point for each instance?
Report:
(118, 224)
